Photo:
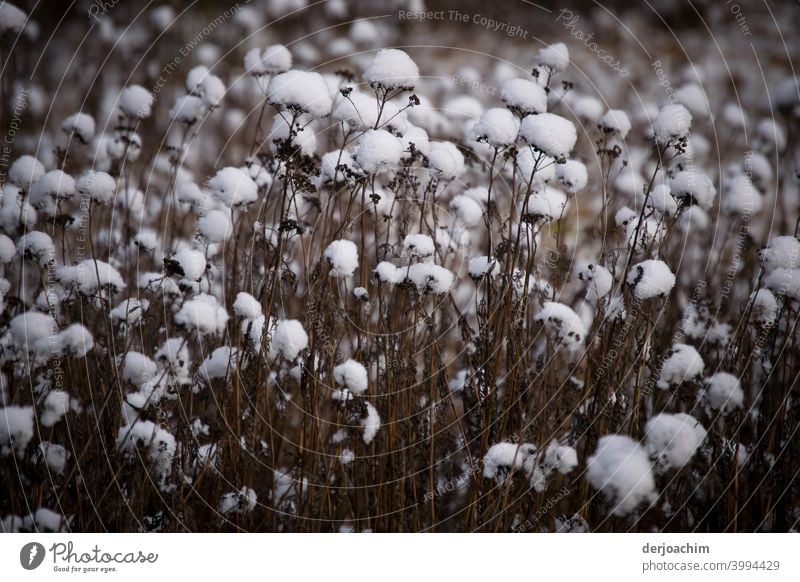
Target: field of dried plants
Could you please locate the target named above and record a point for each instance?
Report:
(333, 267)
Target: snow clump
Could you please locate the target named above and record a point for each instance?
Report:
(621, 470)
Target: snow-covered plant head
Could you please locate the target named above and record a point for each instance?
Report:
(288, 266)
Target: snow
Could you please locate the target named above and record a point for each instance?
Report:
(547, 204)
(781, 252)
(571, 524)
(203, 315)
(428, 277)
(360, 111)
(480, 267)
(765, 307)
(342, 255)
(55, 406)
(621, 470)
(75, 341)
(31, 330)
(387, 273)
(187, 109)
(555, 57)
(338, 165)
(417, 137)
(51, 187)
(629, 182)
(351, 375)
(242, 501)
(418, 247)
(44, 520)
(272, 60)
(723, 392)
(694, 98)
(97, 186)
(673, 439)
(479, 194)
(549, 133)
(463, 107)
(54, 456)
(188, 263)
(194, 78)
(216, 226)
(300, 91)
(347, 456)
(173, 354)
(695, 187)
(36, 246)
(136, 102)
(760, 170)
(598, 279)
(540, 465)
(740, 197)
(288, 339)
(587, 108)
(81, 125)
(545, 167)
(137, 368)
(784, 282)
(12, 19)
(90, 276)
(212, 90)
(247, 306)
(468, 212)
(616, 122)
(734, 116)
(684, 364)
(378, 150)
(445, 159)
(233, 187)
(158, 444)
(498, 127)
(25, 171)
(371, 423)
(694, 219)
(218, 364)
(300, 135)
(650, 278)
(672, 122)
(562, 324)
(16, 430)
(502, 457)
(769, 132)
(524, 97)
(14, 215)
(254, 63)
(572, 175)
(661, 200)
(7, 249)
(392, 69)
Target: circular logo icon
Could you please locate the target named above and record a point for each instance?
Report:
(31, 555)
